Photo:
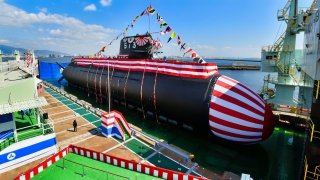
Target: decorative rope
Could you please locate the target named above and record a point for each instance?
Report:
(100, 86)
(95, 85)
(141, 87)
(154, 96)
(124, 89)
(88, 91)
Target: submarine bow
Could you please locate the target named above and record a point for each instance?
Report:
(237, 113)
(189, 93)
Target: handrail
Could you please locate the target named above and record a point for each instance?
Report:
(311, 130)
(305, 168)
(6, 135)
(316, 170)
(28, 127)
(95, 168)
(318, 87)
(310, 10)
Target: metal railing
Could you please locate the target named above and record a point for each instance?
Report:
(44, 128)
(88, 170)
(313, 133)
(309, 174)
(317, 86)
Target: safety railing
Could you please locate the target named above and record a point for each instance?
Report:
(313, 133)
(28, 132)
(8, 140)
(83, 170)
(317, 89)
(310, 175)
(316, 172)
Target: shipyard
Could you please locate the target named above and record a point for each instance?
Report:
(126, 90)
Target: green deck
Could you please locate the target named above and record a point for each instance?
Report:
(77, 165)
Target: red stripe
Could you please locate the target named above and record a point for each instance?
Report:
(233, 125)
(107, 124)
(238, 91)
(233, 134)
(151, 66)
(245, 87)
(179, 74)
(174, 62)
(234, 113)
(237, 102)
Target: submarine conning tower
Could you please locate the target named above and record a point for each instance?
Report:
(136, 47)
(188, 93)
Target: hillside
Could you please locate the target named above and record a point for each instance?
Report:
(9, 50)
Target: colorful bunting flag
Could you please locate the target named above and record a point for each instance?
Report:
(156, 44)
(183, 46)
(189, 50)
(163, 23)
(143, 12)
(103, 48)
(172, 36)
(159, 18)
(150, 10)
(194, 54)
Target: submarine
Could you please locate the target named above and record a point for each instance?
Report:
(192, 94)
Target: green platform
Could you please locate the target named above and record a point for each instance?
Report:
(74, 166)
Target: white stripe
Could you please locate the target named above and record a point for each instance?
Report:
(159, 69)
(233, 119)
(233, 130)
(120, 129)
(236, 85)
(235, 107)
(110, 120)
(26, 143)
(235, 95)
(235, 138)
(166, 64)
(123, 122)
(27, 159)
(108, 127)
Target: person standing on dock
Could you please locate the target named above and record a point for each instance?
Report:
(75, 124)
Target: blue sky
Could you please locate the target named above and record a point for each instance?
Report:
(215, 28)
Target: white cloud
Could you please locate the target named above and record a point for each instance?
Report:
(55, 31)
(44, 10)
(90, 7)
(105, 2)
(52, 31)
(3, 41)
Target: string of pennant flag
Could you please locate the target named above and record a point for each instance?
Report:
(151, 11)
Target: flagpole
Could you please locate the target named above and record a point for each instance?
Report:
(149, 19)
(109, 92)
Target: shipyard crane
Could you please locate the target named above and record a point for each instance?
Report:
(292, 86)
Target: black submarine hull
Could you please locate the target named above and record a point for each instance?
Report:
(182, 100)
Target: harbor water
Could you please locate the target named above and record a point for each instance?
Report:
(279, 157)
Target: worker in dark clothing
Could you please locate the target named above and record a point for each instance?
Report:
(75, 124)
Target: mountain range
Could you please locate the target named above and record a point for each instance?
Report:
(9, 50)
